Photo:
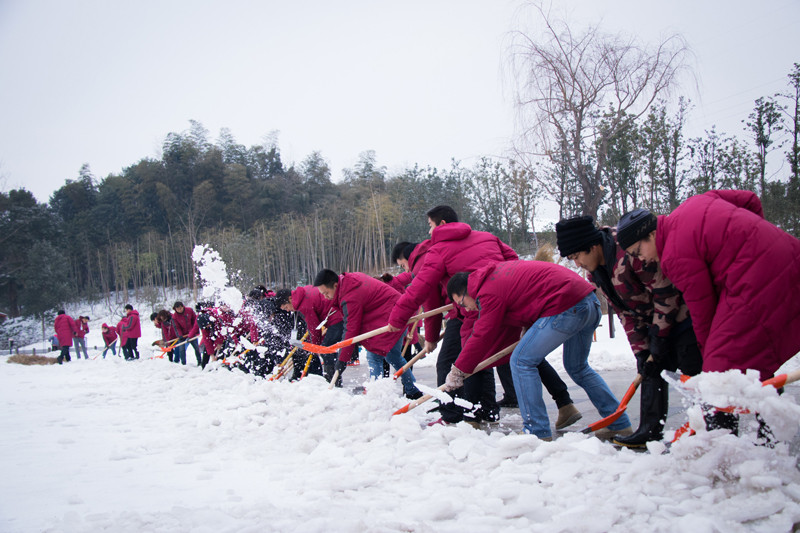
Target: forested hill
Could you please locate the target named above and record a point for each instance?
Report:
(278, 224)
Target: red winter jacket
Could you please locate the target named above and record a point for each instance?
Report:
(168, 333)
(516, 294)
(130, 325)
(454, 247)
(366, 304)
(65, 329)
(740, 277)
(83, 329)
(314, 308)
(185, 323)
(122, 337)
(109, 335)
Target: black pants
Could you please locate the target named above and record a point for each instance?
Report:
(478, 388)
(64, 355)
(129, 350)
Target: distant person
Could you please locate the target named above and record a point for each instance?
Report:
(185, 322)
(131, 330)
(80, 337)
(66, 329)
(109, 338)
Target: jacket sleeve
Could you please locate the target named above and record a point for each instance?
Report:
(194, 326)
(424, 283)
(352, 313)
(484, 334)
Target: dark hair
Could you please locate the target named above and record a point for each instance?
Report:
(178, 304)
(283, 296)
(442, 213)
(153, 315)
(397, 251)
(255, 294)
(62, 312)
(457, 285)
(164, 315)
(262, 289)
(129, 307)
(326, 277)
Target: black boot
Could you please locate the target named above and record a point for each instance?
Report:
(654, 406)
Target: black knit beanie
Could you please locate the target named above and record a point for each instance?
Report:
(576, 234)
(634, 226)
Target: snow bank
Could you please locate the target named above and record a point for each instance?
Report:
(148, 445)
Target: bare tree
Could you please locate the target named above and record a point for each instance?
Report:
(567, 82)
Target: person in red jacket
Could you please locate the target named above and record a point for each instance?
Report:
(80, 336)
(66, 329)
(558, 307)
(109, 338)
(456, 247)
(316, 310)
(365, 304)
(131, 330)
(187, 329)
(739, 275)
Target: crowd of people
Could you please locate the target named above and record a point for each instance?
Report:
(695, 290)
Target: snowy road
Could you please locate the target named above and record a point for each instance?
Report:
(150, 446)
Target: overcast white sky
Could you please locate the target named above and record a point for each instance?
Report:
(418, 81)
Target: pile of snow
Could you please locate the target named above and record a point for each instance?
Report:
(153, 446)
(745, 393)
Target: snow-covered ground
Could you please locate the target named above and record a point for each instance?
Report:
(109, 445)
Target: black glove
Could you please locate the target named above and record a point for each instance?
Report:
(647, 368)
(659, 347)
(340, 367)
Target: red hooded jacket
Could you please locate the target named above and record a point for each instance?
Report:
(83, 329)
(66, 329)
(454, 247)
(314, 308)
(366, 304)
(740, 277)
(110, 335)
(516, 294)
(186, 323)
(130, 325)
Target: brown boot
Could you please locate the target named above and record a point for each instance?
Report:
(567, 416)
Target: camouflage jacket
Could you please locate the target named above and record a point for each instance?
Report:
(647, 303)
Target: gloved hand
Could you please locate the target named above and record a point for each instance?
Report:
(647, 365)
(659, 347)
(340, 367)
(455, 379)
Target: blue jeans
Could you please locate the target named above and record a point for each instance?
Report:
(395, 359)
(179, 353)
(80, 344)
(111, 347)
(573, 329)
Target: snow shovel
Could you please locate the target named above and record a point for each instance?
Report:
(414, 359)
(623, 404)
(483, 364)
(307, 346)
(675, 379)
(279, 373)
(409, 364)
